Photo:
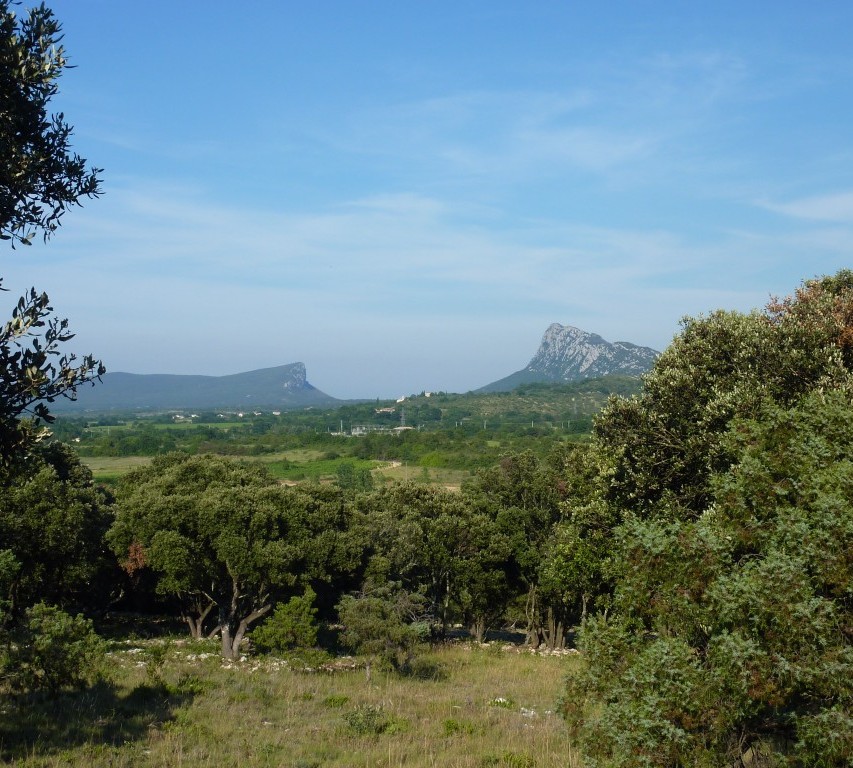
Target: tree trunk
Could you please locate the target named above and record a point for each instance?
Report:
(244, 625)
(445, 608)
(559, 636)
(531, 611)
(196, 623)
(227, 647)
(553, 625)
(234, 629)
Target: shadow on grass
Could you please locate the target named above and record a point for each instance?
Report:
(37, 724)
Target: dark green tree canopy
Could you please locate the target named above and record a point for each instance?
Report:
(40, 177)
(666, 443)
(53, 520)
(729, 491)
(220, 536)
(52, 525)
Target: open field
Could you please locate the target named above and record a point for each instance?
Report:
(107, 469)
(474, 707)
(96, 429)
(401, 473)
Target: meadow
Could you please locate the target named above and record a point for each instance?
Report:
(174, 702)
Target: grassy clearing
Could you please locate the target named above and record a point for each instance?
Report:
(107, 469)
(317, 470)
(400, 473)
(129, 426)
(488, 708)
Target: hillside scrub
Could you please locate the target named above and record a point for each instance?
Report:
(730, 488)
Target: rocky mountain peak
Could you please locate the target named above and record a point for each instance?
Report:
(567, 353)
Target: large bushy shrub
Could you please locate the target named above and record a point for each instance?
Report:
(55, 650)
(732, 483)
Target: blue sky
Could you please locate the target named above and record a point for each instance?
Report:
(404, 195)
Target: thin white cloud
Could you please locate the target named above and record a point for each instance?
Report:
(837, 207)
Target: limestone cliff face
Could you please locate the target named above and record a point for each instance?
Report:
(568, 353)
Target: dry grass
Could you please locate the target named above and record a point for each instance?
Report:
(400, 473)
(489, 709)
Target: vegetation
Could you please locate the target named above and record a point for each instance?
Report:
(700, 538)
(730, 536)
(52, 518)
(39, 179)
(464, 433)
(264, 712)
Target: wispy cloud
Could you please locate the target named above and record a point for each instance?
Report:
(403, 278)
(836, 207)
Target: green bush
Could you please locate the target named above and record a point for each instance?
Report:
(378, 625)
(368, 720)
(508, 759)
(56, 651)
(453, 727)
(292, 625)
(742, 651)
(335, 701)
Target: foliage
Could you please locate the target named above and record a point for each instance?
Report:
(371, 720)
(216, 534)
(665, 444)
(39, 179)
(522, 497)
(39, 176)
(436, 544)
(52, 521)
(300, 444)
(383, 625)
(292, 625)
(55, 651)
(350, 478)
(731, 487)
(33, 372)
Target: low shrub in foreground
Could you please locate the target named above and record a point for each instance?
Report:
(55, 650)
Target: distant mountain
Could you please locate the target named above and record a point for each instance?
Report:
(571, 354)
(284, 387)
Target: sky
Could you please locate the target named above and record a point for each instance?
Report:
(405, 195)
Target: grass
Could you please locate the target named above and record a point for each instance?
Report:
(192, 709)
(400, 473)
(107, 469)
(129, 426)
(316, 469)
